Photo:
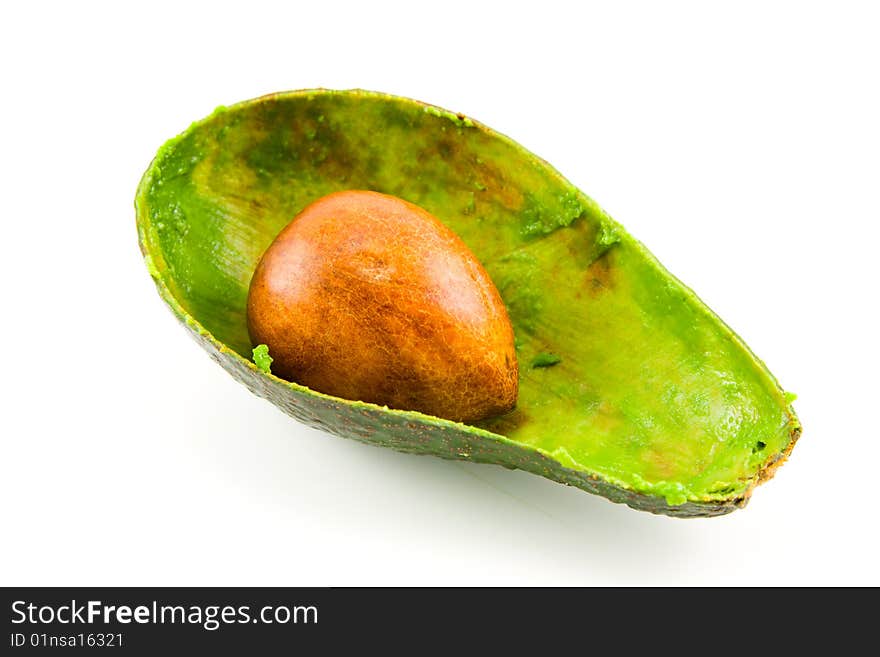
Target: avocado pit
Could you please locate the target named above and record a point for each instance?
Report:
(367, 297)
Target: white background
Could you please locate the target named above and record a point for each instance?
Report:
(741, 144)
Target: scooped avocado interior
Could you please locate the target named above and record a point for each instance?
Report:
(624, 373)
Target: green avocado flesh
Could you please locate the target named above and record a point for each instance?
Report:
(630, 387)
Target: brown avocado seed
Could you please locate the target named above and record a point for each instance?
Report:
(368, 297)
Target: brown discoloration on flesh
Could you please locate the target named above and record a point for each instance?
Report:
(769, 469)
(765, 474)
(599, 276)
(367, 297)
(606, 417)
(448, 149)
(496, 187)
(662, 465)
(507, 422)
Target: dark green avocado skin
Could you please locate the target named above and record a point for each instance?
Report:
(377, 427)
(630, 387)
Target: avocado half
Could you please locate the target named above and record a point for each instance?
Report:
(630, 387)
